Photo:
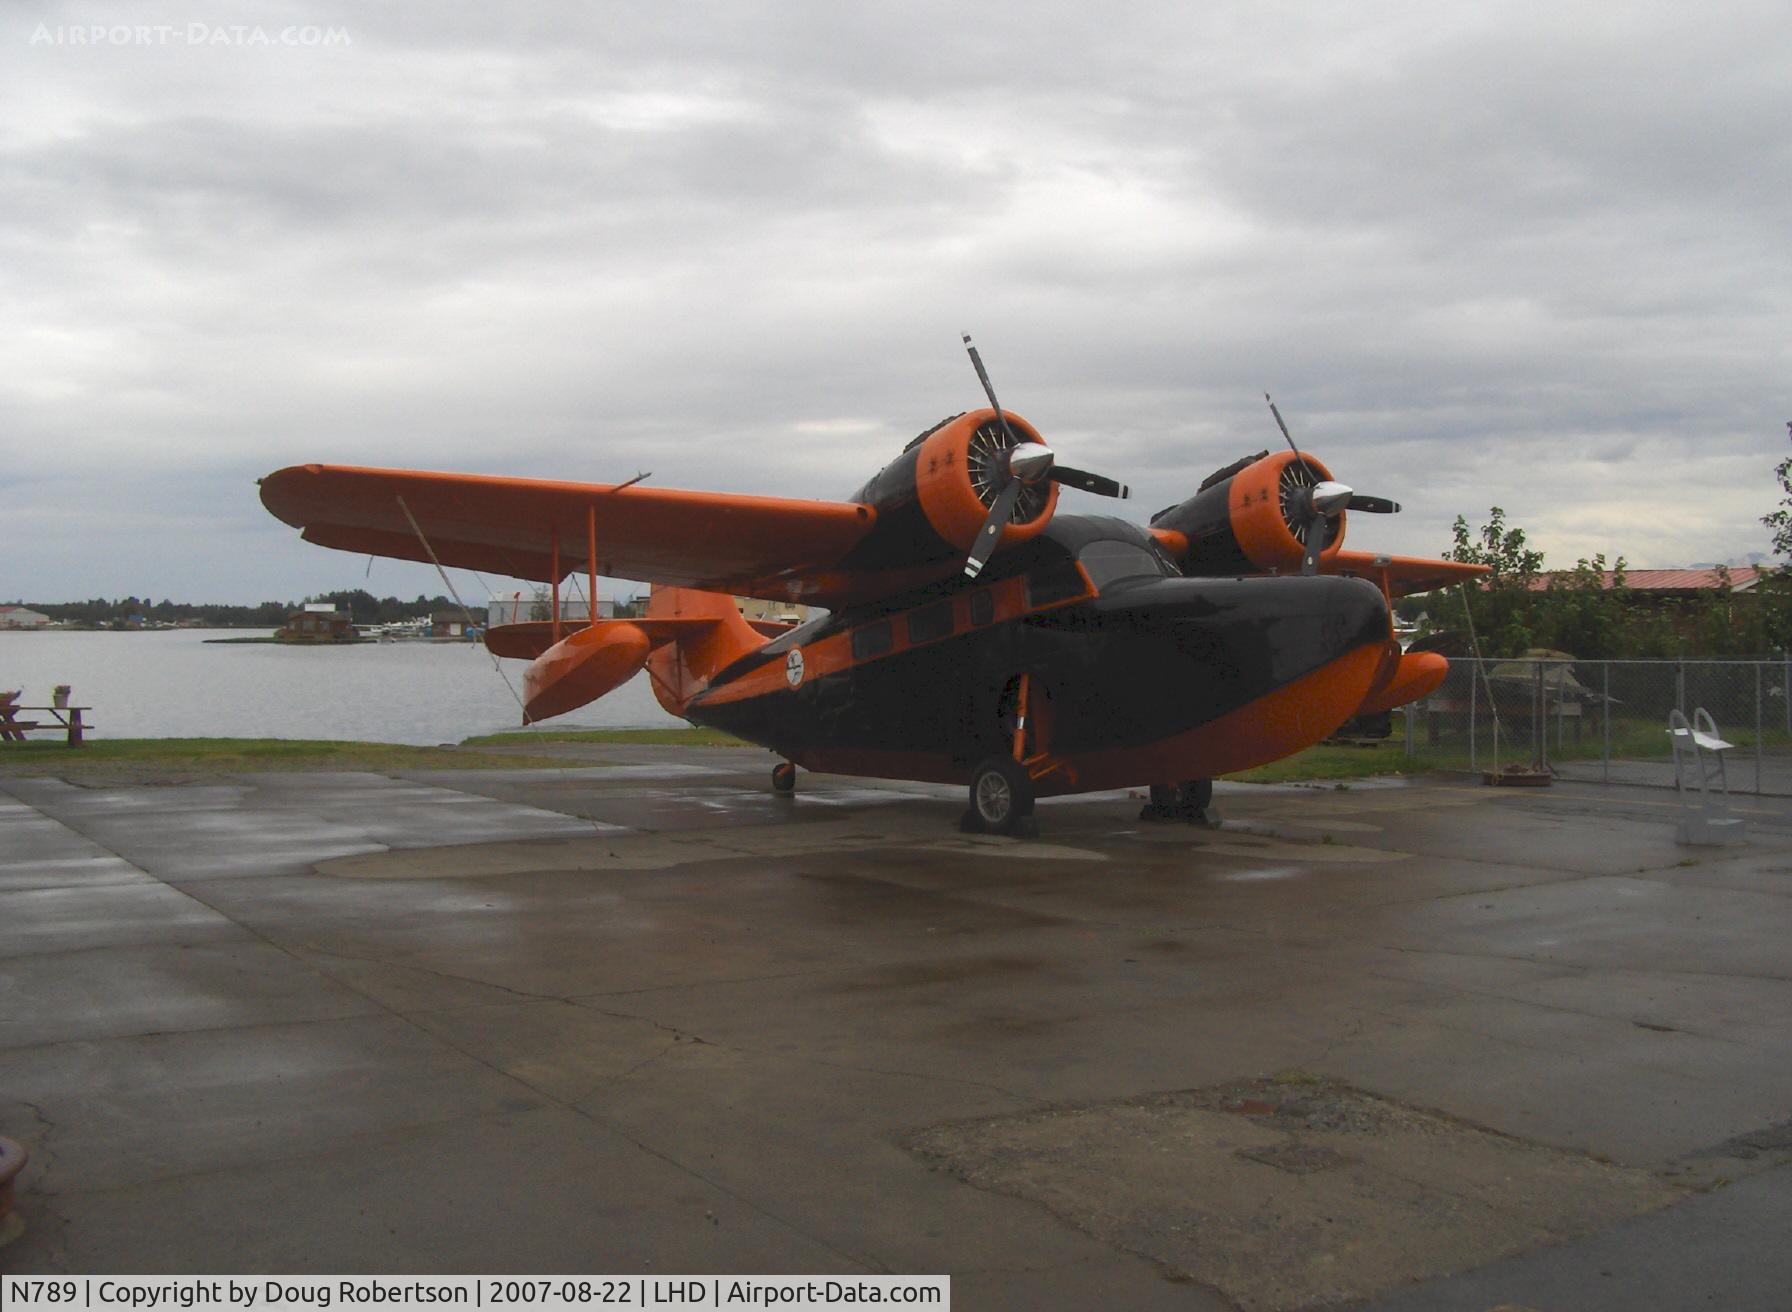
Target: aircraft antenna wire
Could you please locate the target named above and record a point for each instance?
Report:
(1474, 644)
(455, 593)
(578, 590)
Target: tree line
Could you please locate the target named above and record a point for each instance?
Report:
(1519, 606)
(1574, 611)
(362, 607)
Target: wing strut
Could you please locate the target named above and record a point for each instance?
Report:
(452, 592)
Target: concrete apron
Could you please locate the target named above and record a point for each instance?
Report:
(653, 1018)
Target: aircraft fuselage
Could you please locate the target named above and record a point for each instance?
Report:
(1084, 652)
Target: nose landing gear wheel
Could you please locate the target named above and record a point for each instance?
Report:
(1185, 801)
(1001, 799)
(784, 779)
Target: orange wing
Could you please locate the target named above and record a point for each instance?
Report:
(750, 546)
(1399, 576)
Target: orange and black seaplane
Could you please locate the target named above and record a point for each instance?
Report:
(972, 635)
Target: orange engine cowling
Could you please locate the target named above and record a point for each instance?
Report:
(1241, 521)
(932, 499)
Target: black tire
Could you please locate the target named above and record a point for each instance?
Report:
(1165, 803)
(1001, 795)
(1185, 801)
(784, 778)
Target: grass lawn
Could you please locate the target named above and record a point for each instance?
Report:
(1322, 762)
(1327, 761)
(144, 758)
(687, 737)
(1627, 738)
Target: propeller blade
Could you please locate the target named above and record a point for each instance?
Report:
(1309, 504)
(1374, 505)
(1099, 484)
(1289, 437)
(991, 532)
(989, 389)
(1316, 530)
(1279, 424)
(1028, 463)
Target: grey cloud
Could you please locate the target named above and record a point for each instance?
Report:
(1532, 257)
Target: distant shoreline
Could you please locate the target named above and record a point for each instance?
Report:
(288, 642)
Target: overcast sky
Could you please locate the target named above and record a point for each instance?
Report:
(1526, 255)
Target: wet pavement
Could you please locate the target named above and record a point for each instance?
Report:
(648, 1016)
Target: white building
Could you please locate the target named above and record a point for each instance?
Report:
(782, 612)
(17, 617)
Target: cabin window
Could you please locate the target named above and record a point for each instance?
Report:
(1055, 582)
(872, 640)
(931, 622)
(1109, 561)
(983, 607)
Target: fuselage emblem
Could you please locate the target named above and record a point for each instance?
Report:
(793, 667)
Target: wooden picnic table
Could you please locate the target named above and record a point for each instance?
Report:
(13, 729)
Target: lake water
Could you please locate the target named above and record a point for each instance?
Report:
(172, 684)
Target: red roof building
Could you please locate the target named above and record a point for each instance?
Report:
(1664, 583)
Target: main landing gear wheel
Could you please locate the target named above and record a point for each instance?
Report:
(1001, 799)
(1185, 801)
(784, 778)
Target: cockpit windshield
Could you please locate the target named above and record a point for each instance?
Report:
(1109, 561)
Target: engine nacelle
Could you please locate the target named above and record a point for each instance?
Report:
(932, 499)
(1241, 521)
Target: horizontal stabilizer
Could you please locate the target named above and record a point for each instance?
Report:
(771, 628)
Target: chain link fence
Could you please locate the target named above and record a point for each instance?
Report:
(1604, 721)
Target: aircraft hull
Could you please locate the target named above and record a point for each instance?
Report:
(1179, 679)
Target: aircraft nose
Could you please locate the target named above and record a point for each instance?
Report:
(1355, 615)
(1277, 629)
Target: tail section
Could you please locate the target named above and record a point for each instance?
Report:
(710, 636)
(685, 638)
